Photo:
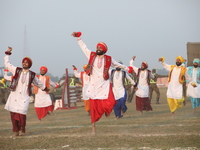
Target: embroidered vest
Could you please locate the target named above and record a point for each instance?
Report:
(148, 76)
(181, 76)
(15, 79)
(107, 64)
(190, 72)
(35, 90)
(123, 77)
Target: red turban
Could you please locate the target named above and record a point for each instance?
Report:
(145, 65)
(44, 68)
(28, 60)
(103, 46)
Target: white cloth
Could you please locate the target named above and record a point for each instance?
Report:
(118, 87)
(85, 83)
(143, 87)
(43, 99)
(193, 92)
(98, 87)
(175, 88)
(18, 100)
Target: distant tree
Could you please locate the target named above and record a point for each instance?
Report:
(162, 71)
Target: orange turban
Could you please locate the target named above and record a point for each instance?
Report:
(145, 65)
(44, 68)
(103, 46)
(28, 60)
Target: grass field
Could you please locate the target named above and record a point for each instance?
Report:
(70, 129)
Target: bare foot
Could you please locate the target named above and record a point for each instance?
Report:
(21, 133)
(194, 110)
(116, 118)
(173, 114)
(15, 135)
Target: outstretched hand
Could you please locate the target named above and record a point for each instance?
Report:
(76, 34)
(133, 57)
(9, 49)
(74, 67)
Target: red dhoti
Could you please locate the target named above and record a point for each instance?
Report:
(100, 106)
(143, 103)
(43, 111)
(18, 122)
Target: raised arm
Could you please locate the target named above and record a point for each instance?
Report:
(82, 44)
(166, 66)
(7, 63)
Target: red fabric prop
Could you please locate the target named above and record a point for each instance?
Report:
(130, 69)
(78, 34)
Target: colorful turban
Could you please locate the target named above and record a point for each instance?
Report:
(120, 62)
(145, 65)
(44, 68)
(28, 60)
(103, 46)
(85, 67)
(181, 58)
(196, 60)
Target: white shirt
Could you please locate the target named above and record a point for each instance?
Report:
(18, 100)
(143, 87)
(85, 83)
(43, 99)
(118, 87)
(175, 88)
(98, 87)
(193, 92)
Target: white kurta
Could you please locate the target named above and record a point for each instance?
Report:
(143, 87)
(175, 88)
(98, 87)
(18, 100)
(193, 92)
(43, 99)
(118, 87)
(85, 83)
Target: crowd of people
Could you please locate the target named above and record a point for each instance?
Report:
(103, 86)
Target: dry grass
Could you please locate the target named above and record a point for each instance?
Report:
(70, 129)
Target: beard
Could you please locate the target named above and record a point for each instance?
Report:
(42, 74)
(25, 67)
(143, 69)
(195, 66)
(118, 69)
(98, 52)
(178, 63)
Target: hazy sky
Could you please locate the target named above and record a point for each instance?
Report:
(147, 29)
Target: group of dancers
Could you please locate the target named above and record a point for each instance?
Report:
(103, 87)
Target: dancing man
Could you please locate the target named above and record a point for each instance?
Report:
(19, 98)
(142, 89)
(85, 81)
(193, 90)
(176, 78)
(43, 103)
(118, 77)
(99, 88)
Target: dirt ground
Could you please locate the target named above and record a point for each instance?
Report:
(71, 129)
